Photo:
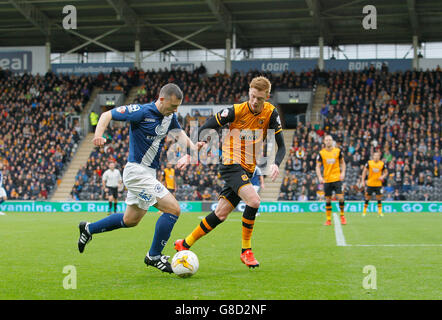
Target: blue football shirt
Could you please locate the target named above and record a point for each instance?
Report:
(147, 132)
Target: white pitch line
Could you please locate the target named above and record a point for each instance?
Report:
(340, 239)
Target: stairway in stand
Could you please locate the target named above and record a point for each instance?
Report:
(132, 95)
(271, 188)
(318, 103)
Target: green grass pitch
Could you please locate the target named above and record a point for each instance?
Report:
(299, 258)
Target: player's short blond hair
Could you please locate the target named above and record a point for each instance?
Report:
(261, 83)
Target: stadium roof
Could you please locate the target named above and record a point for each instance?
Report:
(257, 23)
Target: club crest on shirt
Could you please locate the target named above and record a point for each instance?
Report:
(121, 109)
(158, 188)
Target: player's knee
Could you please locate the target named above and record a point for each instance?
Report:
(175, 209)
(130, 222)
(254, 202)
(222, 216)
(222, 212)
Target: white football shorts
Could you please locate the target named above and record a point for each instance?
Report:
(142, 185)
(2, 192)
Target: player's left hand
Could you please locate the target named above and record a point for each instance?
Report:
(200, 144)
(98, 141)
(183, 162)
(274, 172)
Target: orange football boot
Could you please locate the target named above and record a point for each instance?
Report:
(179, 245)
(248, 259)
(343, 220)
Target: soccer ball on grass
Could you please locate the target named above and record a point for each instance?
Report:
(185, 263)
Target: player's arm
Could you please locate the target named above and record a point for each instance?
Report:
(342, 166)
(280, 154)
(275, 124)
(120, 181)
(384, 174)
(218, 120)
(104, 180)
(132, 113)
(318, 169)
(182, 136)
(364, 174)
(102, 124)
(185, 141)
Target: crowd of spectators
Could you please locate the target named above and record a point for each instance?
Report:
(396, 113)
(36, 141)
(219, 88)
(117, 80)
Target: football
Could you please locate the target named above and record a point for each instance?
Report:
(185, 263)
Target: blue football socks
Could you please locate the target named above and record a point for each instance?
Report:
(114, 221)
(163, 228)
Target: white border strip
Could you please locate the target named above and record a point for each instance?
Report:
(340, 239)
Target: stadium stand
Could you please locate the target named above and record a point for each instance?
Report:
(36, 140)
(397, 113)
(385, 107)
(362, 110)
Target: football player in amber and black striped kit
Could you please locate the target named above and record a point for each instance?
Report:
(377, 172)
(332, 161)
(249, 124)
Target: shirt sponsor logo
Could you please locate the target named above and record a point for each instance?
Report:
(331, 161)
(149, 120)
(133, 108)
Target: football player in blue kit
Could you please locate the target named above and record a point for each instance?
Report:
(149, 125)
